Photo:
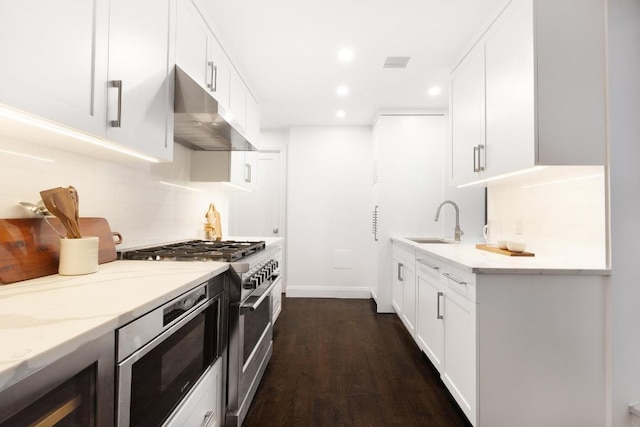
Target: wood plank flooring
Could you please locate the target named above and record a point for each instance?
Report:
(336, 362)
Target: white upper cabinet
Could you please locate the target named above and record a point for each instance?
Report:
(468, 120)
(102, 67)
(200, 55)
(238, 101)
(253, 121)
(538, 75)
(141, 59)
(54, 60)
(236, 167)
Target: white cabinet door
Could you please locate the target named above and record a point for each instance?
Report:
(220, 65)
(141, 59)
(238, 101)
(510, 116)
(54, 60)
(251, 169)
(397, 287)
(192, 44)
(199, 54)
(408, 315)
(468, 143)
(430, 324)
(460, 373)
(253, 121)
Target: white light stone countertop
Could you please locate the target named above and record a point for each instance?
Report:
(467, 256)
(45, 319)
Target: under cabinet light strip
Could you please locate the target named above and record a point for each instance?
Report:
(184, 187)
(499, 177)
(28, 119)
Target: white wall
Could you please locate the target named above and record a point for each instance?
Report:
(624, 296)
(328, 201)
(560, 212)
(128, 195)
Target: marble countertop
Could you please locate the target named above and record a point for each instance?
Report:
(467, 256)
(45, 319)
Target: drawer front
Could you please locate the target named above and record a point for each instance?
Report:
(459, 280)
(429, 267)
(404, 254)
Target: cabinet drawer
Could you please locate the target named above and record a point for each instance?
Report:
(428, 267)
(404, 254)
(459, 280)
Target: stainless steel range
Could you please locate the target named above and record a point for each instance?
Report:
(254, 270)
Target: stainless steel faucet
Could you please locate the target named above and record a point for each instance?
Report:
(457, 232)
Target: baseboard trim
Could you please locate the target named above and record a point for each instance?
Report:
(327, 292)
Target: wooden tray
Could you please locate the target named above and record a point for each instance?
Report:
(502, 251)
(30, 248)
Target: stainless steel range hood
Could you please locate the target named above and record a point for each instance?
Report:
(199, 121)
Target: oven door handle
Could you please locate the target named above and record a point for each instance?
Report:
(255, 299)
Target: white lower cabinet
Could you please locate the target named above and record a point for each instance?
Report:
(430, 327)
(276, 301)
(514, 348)
(403, 289)
(203, 405)
(446, 328)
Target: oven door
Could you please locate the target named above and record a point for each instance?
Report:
(250, 348)
(154, 380)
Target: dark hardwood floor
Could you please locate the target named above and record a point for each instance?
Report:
(336, 362)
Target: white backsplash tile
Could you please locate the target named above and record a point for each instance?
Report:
(128, 195)
(561, 209)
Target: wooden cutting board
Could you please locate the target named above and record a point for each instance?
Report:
(30, 248)
(503, 251)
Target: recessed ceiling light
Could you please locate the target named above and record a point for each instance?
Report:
(345, 54)
(342, 90)
(340, 114)
(434, 91)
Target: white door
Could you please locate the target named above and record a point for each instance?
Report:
(261, 212)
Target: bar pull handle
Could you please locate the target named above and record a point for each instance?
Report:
(480, 167)
(455, 279)
(209, 419)
(247, 172)
(118, 122)
(400, 272)
(212, 81)
(439, 315)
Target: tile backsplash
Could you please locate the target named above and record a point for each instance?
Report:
(131, 196)
(559, 211)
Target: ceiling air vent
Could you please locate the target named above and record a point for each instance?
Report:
(396, 62)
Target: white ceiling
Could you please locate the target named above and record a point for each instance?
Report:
(287, 52)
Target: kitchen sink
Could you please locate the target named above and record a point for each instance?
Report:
(428, 240)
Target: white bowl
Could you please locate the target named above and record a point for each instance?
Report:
(502, 244)
(516, 246)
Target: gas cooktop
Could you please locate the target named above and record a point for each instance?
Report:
(195, 250)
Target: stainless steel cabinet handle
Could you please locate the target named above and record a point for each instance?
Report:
(247, 174)
(209, 419)
(400, 272)
(118, 122)
(475, 159)
(214, 79)
(480, 167)
(455, 279)
(439, 315)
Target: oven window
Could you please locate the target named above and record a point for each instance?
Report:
(73, 403)
(255, 323)
(161, 378)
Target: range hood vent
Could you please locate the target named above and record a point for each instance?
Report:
(199, 121)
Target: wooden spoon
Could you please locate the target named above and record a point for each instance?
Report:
(76, 202)
(62, 207)
(66, 205)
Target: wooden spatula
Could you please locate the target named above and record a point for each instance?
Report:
(60, 203)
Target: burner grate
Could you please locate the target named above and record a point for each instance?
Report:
(195, 250)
